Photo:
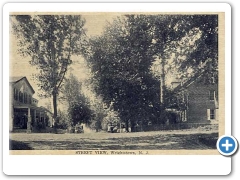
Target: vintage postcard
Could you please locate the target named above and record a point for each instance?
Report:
(125, 82)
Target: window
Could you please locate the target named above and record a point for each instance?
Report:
(212, 114)
(25, 98)
(29, 99)
(20, 96)
(212, 80)
(15, 94)
(211, 95)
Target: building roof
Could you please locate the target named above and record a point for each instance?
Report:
(16, 79)
(43, 108)
(188, 82)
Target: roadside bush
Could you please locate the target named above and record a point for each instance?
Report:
(63, 120)
(111, 118)
(168, 117)
(39, 125)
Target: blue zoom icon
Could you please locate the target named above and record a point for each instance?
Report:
(227, 145)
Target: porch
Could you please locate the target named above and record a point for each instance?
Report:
(28, 119)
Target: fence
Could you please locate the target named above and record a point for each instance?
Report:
(180, 126)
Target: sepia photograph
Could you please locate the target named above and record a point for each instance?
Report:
(116, 83)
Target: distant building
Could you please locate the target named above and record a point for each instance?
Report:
(195, 100)
(24, 111)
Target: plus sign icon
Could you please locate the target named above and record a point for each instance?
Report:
(227, 145)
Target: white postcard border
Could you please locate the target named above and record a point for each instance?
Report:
(115, 165)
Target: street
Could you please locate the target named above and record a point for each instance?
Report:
(154, 140)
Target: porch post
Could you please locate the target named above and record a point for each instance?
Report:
(216, 114)
(40, 116)
(44, 120)
(29, 128)
(34, 117)
(11, 118)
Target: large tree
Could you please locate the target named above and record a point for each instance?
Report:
(184, 46)
(50, 41)
(78, 105)
(122, 57)
(120, 60)
(203, 54)
(190, 40)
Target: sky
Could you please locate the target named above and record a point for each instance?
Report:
(19, 66)
(95, 22)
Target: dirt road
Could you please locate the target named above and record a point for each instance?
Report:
(178, 139)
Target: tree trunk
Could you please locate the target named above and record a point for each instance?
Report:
(162, 89)
(126, 126)
(55, 109)
(162, 83)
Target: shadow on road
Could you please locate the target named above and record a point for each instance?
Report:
(172, 141)
(16, 145)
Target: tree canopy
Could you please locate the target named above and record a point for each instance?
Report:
(202, 55)
(50, 41)
(120, 61)
(122, 57)
(78, 105)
